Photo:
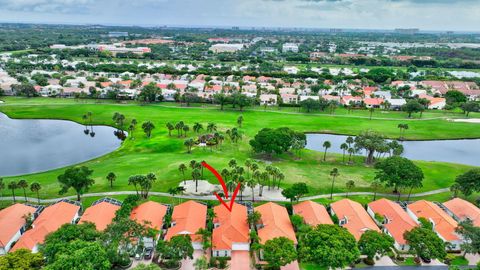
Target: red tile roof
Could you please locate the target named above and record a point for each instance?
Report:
(398, 219)
(12, 219)
(358, 220)
(444, 224)
(313, 213)
(276, 223)
(151, 213)
(464, 210)
(233, 227)
(188, 218)
(100, 214)
(50, 220)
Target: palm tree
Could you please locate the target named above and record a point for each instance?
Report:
(371, 110)
(185, 129)
(326, 145)
(232, 163)
(13, 185)
(349, 185)
(253, 218)
(197, 127)
(351, 151)
(402, 128)
(189, 144)
(179, 127)
(211, 127)
(248, 164)
(196, 175)
(375, 185)
(344, 147)
(280, 177)
(350, 141)
(147, 128)
(240, 121)
(193, 164)
(206, 236)
(35, 187)
(241, 180)
(170, 127)
(182, 168)
(111, 177)
(23, 184)
(334, 173)
(251, 183)
(85, 118)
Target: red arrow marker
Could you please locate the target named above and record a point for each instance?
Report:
(224, 187)
(218, 176)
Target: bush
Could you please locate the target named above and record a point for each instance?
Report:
(368, 261)
(222, 263)
(449, 258)
(213, 262)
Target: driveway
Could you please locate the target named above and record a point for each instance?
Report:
(384, 261)
(240, 260)
(188, 264)
(292, 266)
(473, 259)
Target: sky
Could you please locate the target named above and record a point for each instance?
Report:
(455, 15)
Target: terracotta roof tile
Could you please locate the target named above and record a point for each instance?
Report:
(444, 224)
(188, 217)
(464, 210)
(358, 220)
(276, 223)
(100, 214)
(233, 227)
(150, 212)
(313, 213)
(12, 219)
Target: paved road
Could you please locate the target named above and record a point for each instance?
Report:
(212, 198)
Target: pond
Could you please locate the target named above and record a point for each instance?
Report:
(453, 151)
(30, 146)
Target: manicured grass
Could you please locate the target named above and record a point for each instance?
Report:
(460, 260)
(408, 262)
(162, 154)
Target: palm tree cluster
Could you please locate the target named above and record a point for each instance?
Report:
(197, 171)
(22, 184)
(234, 134)
(142, 183)
(119, 121)
(403, 128)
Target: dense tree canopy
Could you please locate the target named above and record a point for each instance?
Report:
(329, 246)
(469, 182)
(275, 141)
(399, 172)
(21, 259)
(78, 178)
(425, 243)
(372, 243)
(278, 252)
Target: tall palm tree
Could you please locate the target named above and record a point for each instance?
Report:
(251, 183)
(185, 129)
(253, 218)
(240, 121)
(170, 128)
(182, 168)
(351, 151)
(211, 127)
(85, 118)
(280, 177)
(349, 185)
(111, 177)
(333, 173)
(13, 185)
(326, 145)
(197, 127)
(23, 184)
(232, 163)
(189, 144)
(196, 175)
(35, 187)
(147, 128)
(349, 141)
(344, 147)
(248, 164)
(371, 110)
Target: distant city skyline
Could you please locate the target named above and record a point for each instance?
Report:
(436, 15)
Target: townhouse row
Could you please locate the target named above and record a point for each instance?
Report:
(231, 231)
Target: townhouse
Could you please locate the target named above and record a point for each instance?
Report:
(393, 219)
(187, 219)
(274, 223)
(443, 224)
(13, 224)
(231, 230)
(462, 210)
(313, 213)
(352, 216)
(151, 214)
(50, 220)
(101, 213)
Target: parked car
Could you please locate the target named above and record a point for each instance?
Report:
(148, 254)
(426, 260)
(138, 257)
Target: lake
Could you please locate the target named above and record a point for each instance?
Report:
(453, 151)
(30, 146)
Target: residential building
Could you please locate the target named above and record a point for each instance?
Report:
(290, 47)
(101, 213)
(443, 224)
(394, 220)
(151, 214)
(463, 210)
(50, 220)
(289, 98)
(231, 230)
(274, 223)
(352, 216)
(373, 102)
(226, 48)
(13, 224)
(313, 213)
(268, 99)
(187, 219)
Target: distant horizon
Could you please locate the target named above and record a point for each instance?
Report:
(243, 28)
(429, 15)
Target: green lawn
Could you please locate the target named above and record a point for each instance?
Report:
(162, 154)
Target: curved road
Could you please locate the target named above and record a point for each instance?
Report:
(213, 198)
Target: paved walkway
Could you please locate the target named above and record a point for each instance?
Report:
(213, 198)
(384, 261)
